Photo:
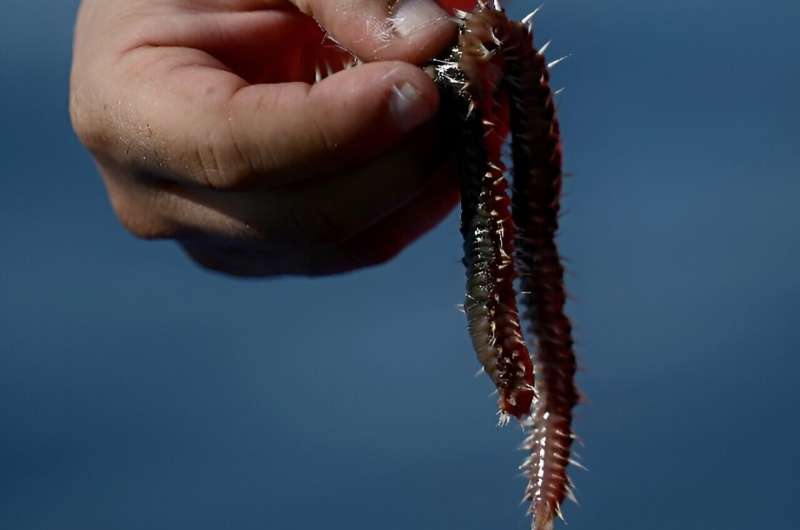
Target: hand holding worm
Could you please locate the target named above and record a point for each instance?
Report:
(233, 127)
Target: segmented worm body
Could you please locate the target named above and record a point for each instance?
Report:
(493, 81)
(480, 111)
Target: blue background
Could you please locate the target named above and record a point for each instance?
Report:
(138, 392)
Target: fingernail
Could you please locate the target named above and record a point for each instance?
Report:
(409, 16)
(408, 107)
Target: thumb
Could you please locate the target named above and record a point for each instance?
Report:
(409, 30)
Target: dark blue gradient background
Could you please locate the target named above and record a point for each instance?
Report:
(138, 392)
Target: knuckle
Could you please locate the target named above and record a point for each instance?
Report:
(221, 162)
(140, 224)
(87, 123)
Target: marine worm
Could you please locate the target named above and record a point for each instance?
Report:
(494, 81)
(477, 107)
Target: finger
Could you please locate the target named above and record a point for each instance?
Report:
(409, 30)
(180, 112)
(314, 214)
(374, 246)
(263, 46)
(384, 241)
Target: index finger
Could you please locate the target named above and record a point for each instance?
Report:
(409, 30)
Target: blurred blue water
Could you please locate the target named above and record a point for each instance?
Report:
(140, 393)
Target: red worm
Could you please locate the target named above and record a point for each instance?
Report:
(470, 81)
(494, 80)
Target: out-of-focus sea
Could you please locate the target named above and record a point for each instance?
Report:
(138, 392)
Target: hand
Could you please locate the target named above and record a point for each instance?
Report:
(208, 127)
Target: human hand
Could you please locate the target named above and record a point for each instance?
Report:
(208, 127)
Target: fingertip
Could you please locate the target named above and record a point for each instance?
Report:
(422, 29)
(412, 16)
(392, 98)
(414, 98)
(413, 31)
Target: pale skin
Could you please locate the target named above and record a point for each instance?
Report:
(208, 128)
